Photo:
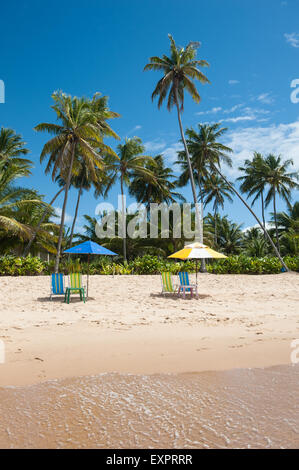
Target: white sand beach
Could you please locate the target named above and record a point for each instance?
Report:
(126, 326)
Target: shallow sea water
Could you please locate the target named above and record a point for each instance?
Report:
(241, 408)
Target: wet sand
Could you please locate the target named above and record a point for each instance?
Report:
(255, 408)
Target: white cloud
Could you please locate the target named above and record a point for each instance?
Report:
(239, 118)
(135, 128)
(248, 114)
(154, 145)
(268, 227)
(292, 39)
(233, 109)
(56, 218)
(281, 139)
(211, 111)
(233, 82)
(265, 98)
(170, 153)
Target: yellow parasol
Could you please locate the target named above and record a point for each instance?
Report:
(197, 251)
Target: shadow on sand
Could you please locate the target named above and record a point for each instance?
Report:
(61, 299)
(176, 296)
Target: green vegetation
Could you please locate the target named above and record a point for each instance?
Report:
(145, 265)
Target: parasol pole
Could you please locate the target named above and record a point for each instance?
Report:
(196, 271)
(87, 276)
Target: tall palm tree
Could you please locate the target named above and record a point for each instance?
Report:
(147, 190)
(129, 163)
(204, 148)
(179, 71)
(80, 133)
(214, 155)
(253, 183)
(215, 191)
(280, 181)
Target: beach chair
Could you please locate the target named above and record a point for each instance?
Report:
(167, 283)
(185, 285)
(75, 287)
(75, 281)
(57, 285)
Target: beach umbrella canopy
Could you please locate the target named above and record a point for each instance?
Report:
(197, 251)
(89, 248)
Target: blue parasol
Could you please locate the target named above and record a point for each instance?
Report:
(89, 248)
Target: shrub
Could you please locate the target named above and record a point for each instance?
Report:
(246, 265)
(17, 266)
(148, 264)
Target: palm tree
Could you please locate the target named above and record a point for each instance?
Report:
(230, 236)
(128, 164)
(147, 190)
(288, 226)
(253, 183)
(12, 148)
(255, 244)
(216, 190)
(280, 182)
(80, 133)
(179, 71)
(44, 214)
(204, 148)
(214, 155)
(14, 199)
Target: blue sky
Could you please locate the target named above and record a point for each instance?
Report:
(84, 47)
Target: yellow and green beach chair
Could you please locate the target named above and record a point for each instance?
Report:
(75, 287)
(57, 285)
(167, 283)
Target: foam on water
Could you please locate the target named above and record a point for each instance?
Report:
(255, 408)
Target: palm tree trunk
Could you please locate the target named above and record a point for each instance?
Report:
(202, 268)
(275, 218)
(215, 226)
(28, 246)
(123, 219)
(254, 215)
(197, 213)
(67, 185)
(76, 213)
(263, 211)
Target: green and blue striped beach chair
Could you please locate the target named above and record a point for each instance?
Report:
(185, 285)
(57, 284)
